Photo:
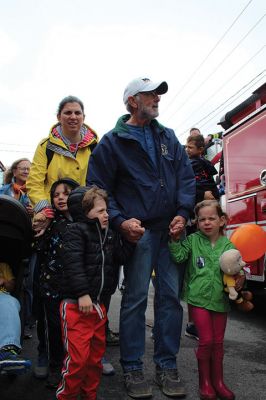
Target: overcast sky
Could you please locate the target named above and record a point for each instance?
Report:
(92, 49)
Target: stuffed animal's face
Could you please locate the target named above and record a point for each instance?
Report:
(231, 262)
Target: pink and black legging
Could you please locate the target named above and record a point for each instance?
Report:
(211, 328)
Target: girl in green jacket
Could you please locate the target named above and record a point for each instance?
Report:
(204, 292)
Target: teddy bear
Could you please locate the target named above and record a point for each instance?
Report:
(232, 265)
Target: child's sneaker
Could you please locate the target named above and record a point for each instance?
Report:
(191, 331)
(11, 362)
(27, 332)
(112, 338)
(54, 378)
(108, 369)
(41, 368)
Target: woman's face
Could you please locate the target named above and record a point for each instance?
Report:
(71, 119)
(21, 172)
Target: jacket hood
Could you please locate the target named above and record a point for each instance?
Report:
(74, 203)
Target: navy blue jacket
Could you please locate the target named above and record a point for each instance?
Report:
(136, 188)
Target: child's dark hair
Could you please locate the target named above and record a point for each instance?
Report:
(197, 140)
(69, 184)
(89, 198)
(211, 203)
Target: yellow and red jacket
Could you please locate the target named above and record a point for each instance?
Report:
(63, 163)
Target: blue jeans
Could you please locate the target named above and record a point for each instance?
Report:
(10, 325)
(151, 253)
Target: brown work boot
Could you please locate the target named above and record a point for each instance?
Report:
(136, 385)
(169, 382)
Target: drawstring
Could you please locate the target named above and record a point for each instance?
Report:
(99, 310)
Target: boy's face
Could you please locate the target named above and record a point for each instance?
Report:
(99, 211)
(60, 197)
(192, 150)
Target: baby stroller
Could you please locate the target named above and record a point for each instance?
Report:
(15, 237)
(15, 242)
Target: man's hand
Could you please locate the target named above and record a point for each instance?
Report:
(176, 227)
(85, 304)
(132, 229)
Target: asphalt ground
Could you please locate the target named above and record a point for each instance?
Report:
(245, 361)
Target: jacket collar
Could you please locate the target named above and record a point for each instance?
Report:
(89, 136)
(122, 129)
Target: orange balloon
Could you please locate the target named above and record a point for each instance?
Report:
(250, 240)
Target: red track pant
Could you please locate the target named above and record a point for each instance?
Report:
(84, 341)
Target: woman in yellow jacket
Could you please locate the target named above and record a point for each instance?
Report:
(65, 153)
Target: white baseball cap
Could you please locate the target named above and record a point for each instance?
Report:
(139, 85)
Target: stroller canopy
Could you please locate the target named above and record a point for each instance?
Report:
(15, 230)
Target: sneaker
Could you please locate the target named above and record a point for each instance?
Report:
(27, 334)
(41, 368)
(169, 382)
(136, 385)
(112, 338)
(108, 369)
(53, 380)
(191, 331)
(11, 362)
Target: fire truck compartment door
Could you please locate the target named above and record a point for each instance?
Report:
(244, 157)
(242, 211)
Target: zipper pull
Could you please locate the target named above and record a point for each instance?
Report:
(161, 182)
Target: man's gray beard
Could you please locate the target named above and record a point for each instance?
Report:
(145, 114)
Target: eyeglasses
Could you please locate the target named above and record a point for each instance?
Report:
(24, 169)
(153, 94)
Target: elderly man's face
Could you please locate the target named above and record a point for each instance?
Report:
(148, 105)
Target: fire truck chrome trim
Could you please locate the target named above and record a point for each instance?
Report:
(242, 197)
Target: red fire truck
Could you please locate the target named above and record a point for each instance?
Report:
(244, 156)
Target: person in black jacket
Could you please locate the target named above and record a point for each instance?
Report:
(206, 188)
(92, 255)
(48, 290)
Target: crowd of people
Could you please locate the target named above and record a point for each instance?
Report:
(139, 199)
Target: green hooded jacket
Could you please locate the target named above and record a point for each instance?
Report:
(203, 283)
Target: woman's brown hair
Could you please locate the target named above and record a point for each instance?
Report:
(10, 172)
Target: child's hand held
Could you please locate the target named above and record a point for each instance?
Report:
(176, 227)
(85, 304)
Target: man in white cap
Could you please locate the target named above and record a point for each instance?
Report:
(151, 189)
